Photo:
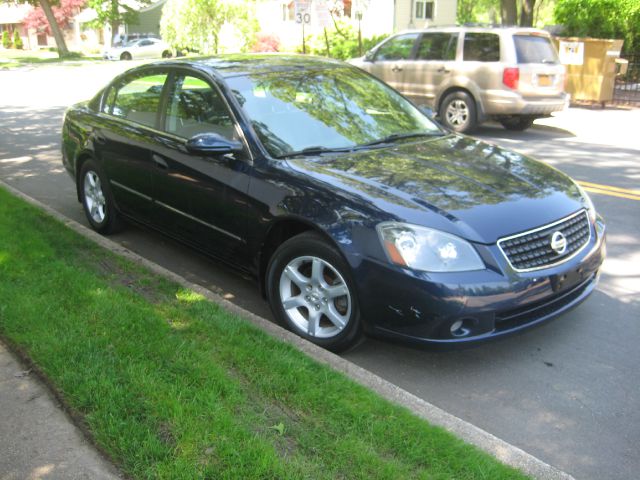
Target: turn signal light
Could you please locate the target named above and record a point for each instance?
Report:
(510, 77)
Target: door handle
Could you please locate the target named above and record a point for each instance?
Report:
(443, 70)
(159, 161)
(396, 68)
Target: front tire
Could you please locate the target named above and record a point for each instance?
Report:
(166, 54)
(310, 291)
(126, 56)
(458, 112)
(97, 199)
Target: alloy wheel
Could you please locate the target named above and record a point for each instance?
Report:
(457, 113)
(315, 297)
(94, 197)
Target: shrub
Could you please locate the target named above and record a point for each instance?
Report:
(343, 42)
(17, 40)
(6, 40)
(266, 42)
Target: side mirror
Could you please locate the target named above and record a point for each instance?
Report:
(204, 143)
(368, 57)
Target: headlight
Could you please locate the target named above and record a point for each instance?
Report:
(427, 249)
(591, 210)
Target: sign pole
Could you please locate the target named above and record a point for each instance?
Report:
(304, 45)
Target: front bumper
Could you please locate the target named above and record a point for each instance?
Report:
(419, 307)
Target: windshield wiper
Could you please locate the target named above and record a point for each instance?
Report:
(315, 150)
(400, 136)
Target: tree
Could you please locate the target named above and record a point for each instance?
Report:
(601, 19)
(63, 14)
(115, 13)
(196, 24)
(46, 7)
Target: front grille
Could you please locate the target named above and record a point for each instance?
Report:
(532, 250)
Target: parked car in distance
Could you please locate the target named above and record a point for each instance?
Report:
(472, 74)
(125, 38)
(353, 210)
(139, 49)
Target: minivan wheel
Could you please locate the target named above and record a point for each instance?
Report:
(311, 293)
(97, 200)
(458, 112)
(517, 124)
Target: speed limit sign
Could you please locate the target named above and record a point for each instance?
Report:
(302, 12)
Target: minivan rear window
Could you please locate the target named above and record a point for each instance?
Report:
(534, 49)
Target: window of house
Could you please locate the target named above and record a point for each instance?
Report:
(138, 99)
(438, 46)
(288, 12)
(424, 10)
(481, 47)
(398, 48)
(196, 107)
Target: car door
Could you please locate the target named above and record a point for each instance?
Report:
(432, 67)
(201, 198)
(145, 49)
(391, 59)
(123, 141)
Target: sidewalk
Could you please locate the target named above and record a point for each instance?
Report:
(37, 440)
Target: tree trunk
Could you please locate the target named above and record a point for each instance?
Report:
(55, 28)
(526, 13)
(115, 22)
(508, 12)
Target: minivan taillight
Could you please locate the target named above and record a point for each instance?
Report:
(510, 77)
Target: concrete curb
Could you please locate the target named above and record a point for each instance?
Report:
(503, 451)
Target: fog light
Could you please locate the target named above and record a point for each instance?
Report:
(462, 328)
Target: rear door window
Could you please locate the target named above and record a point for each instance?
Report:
(138, 99)
(481, 47)
(437, 46)
(398, 48)
(534, 49)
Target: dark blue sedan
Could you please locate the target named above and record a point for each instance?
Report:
(352, 209)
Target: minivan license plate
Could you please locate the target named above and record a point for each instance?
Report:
(544, 80)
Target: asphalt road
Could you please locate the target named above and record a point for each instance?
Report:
(568, 393)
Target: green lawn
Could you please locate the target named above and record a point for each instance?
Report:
(172, 386)
(11, 58)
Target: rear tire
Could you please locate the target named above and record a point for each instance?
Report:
(311, 293)
(97, 199)
(458, 112)
(517, 124)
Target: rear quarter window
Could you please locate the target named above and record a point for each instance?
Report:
(534, 49)
(481, 47)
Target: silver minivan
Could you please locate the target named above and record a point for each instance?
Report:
(472, 74)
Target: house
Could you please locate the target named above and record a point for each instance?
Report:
(11, 19)
(284, 17)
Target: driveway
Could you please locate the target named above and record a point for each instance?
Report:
(566, 392)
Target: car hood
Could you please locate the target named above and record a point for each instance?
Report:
(454, 183)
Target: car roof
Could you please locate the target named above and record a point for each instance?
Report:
(234, 65)
(508, 29)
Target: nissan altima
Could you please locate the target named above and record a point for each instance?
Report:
(352, 209)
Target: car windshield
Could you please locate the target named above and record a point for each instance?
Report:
(326, 109)
(534, 49)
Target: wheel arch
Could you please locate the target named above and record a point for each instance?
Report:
(281, 230)
(457, 88)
